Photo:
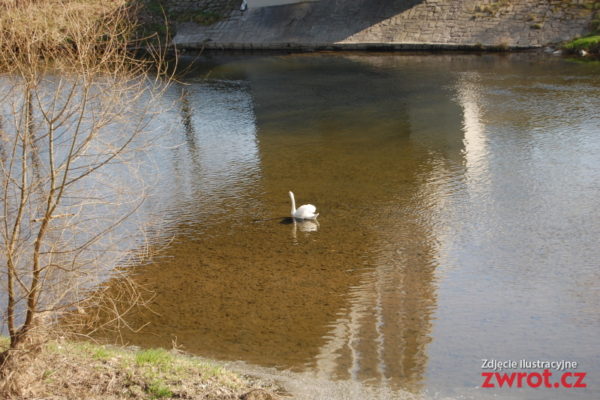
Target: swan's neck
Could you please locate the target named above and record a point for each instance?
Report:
(293, 203)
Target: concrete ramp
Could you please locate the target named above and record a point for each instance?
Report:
(392, 24)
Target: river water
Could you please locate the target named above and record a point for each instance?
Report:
(458, 200)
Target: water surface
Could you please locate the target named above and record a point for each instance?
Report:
(458, 219)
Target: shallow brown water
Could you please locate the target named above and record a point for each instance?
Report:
(458, 198)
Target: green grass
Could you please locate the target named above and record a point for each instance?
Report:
(86, 349)
(589, 43)
(159, 390)
(101, 354)
(156, 357)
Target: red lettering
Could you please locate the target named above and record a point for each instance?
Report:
(520, 376)
(505, 378)
(563, 379)
(488, 380)
(580, 377)
(530, 379)
(547, 374)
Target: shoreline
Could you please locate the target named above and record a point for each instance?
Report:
(101, 371)
(359, 47)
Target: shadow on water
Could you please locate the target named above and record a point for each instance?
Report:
(282, 220)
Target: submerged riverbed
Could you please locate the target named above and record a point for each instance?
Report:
(458, 221)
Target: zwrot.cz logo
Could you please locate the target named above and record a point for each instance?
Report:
(563, 378)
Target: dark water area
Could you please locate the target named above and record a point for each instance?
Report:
(458, 200)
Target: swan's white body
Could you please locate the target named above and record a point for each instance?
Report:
(307, 211)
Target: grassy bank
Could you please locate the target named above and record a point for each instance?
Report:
(590, 44)
(84, 370)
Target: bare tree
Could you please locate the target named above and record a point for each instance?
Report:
(74, 112)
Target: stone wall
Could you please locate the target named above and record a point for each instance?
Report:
(396, 24)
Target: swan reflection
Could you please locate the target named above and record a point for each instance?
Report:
(304, 226)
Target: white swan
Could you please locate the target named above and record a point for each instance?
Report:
(306, 211)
